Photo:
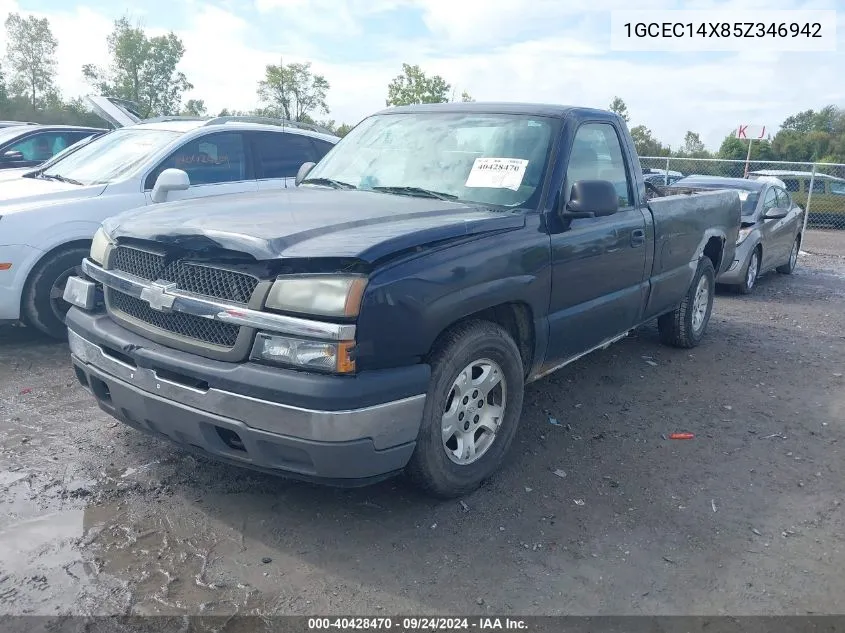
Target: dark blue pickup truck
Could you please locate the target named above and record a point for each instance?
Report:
(384, 315)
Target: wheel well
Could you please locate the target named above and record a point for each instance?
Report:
(58, 249)
(515, 317)
(713, 250)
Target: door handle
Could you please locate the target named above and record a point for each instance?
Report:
(637, 237)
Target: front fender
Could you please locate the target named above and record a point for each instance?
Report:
(407, 306)
(28, 256)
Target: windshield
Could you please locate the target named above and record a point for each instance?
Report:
(111, 156)
(497, 159)
(749, 202)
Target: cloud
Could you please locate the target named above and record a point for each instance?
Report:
(517, 50)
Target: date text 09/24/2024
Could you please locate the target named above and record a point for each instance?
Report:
(417, 624)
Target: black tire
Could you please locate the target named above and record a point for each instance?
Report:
(40, 307)
(677, 327)
(748, 285)
(789, 266)
(430, 468)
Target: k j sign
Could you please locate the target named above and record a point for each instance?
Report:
(750, 131)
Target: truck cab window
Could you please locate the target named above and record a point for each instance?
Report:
(597, 155)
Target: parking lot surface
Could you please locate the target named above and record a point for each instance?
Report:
(596, 514)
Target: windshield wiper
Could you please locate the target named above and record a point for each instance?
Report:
(334, 184)
(417, 191)
(60, 178)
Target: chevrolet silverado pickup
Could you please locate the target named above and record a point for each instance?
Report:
(383, 314)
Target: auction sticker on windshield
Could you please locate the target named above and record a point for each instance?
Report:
(497, 173)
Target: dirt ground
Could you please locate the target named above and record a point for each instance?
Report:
(746, 518)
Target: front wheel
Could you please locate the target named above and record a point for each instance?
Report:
(752, 271)
(471, 412)
(789, 266)
(43, 306)
(684, 327)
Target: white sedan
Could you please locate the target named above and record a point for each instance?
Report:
(48, 217)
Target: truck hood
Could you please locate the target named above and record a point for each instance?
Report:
(306, 222)
(20, 194)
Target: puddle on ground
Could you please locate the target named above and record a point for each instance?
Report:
(43, 568)
(90, 546)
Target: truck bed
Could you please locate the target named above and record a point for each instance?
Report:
(685, 221)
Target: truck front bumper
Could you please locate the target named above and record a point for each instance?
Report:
(338, 430)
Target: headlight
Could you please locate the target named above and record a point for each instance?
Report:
(320, 355)
(318, 295)
(743, 234)
(99, 246)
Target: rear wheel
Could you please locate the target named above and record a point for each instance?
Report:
(471, 412)
(43, 306)
(685, 325)
(789, 266)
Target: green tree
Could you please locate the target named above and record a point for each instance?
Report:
(293, 92)
(142, 69)
(4, 95)
(343, 129)
(645, 142)
(31, 52)
(802, 122)
(413, 86)
(228, 112)
(812, 136)
(737, 149)
(466, 97)
(618, 106)
(693, 146)
(195, 107)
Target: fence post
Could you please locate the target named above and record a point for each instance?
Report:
(748, 157)
(809, 196)
(666, 175)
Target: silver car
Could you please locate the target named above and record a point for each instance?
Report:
(770, 235)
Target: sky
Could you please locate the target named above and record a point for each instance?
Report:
(498, 50)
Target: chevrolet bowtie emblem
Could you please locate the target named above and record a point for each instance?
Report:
(157, 295)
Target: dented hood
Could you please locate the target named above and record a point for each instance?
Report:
(308, 222)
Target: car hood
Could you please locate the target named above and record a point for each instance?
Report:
(21, 194)
(14, 172)
(307, 222)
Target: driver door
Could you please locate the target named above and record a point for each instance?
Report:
(598, 264)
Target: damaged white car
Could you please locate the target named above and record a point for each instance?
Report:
(49, 216)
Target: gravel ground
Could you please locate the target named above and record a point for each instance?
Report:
(599, 515)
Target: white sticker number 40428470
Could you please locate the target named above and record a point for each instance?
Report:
(497, 173)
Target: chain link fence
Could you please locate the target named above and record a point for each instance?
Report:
(819, 188)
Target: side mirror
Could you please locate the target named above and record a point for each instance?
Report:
(169, 180)
(775, 213)
(591, 199)
(12, 156)
(303, 171)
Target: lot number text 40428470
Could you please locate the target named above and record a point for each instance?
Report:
(712, 30)
(417, 623)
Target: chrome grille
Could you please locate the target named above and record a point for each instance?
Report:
(191, 277)
(188, 325)
(200, 279)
